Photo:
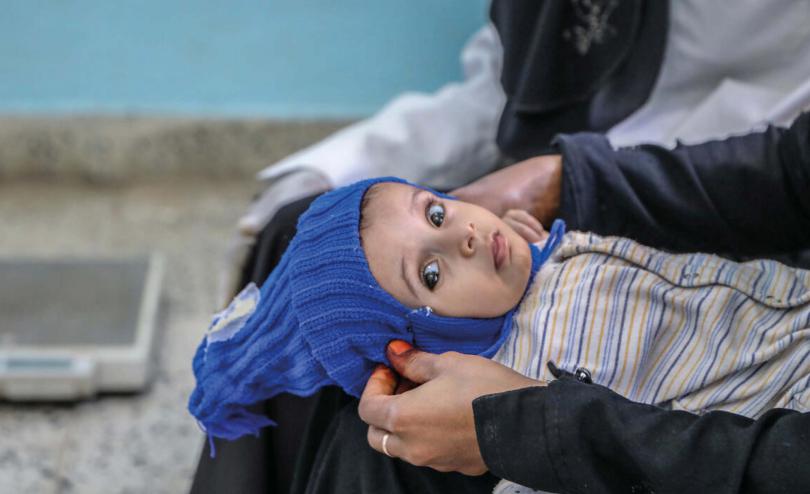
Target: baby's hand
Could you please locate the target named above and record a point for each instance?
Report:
(526, 225)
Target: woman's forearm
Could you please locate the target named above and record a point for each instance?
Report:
(576, 437)
(745, 195)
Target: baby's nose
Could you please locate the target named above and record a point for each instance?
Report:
(468, 240)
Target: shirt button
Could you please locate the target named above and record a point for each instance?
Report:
(583, 375)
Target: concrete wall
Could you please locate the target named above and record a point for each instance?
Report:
(119, 149)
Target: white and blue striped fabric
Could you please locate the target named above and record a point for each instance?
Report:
(689, 332)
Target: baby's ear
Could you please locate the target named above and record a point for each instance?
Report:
(525, 225)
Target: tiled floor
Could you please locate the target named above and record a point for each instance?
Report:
(145, 443)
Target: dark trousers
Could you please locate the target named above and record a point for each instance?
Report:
(319, 445)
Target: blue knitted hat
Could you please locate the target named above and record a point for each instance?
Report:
(320, 319)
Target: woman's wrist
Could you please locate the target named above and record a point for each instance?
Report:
(547, 187)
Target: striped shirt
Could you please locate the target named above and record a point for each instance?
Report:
(684, 331)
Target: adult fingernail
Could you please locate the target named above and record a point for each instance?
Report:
(398, 347)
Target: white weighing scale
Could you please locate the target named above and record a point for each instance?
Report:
(71, 328)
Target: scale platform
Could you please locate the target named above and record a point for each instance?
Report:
(71, 328)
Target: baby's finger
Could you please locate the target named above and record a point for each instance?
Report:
(527, 219)
(524, 231)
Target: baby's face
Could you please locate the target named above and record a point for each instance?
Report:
(456, 257)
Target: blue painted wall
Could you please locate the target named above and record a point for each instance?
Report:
(273, 58)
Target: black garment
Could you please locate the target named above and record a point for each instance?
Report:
(347, 464)
(583, 438)
(570, 66)
(280, 459)
(742, 196)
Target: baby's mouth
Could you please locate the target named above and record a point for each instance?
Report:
(500, 249)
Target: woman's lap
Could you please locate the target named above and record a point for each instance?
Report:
(347, 464)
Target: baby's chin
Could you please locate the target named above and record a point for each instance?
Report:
(522, 254)
(519, 244)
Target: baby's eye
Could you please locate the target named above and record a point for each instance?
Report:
(435, 214)
(430, 275)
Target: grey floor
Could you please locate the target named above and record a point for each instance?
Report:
(145, 443)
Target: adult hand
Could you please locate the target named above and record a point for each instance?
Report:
(534, 185)
(432, 424)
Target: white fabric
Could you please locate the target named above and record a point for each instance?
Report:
(728, 68)
(284, 189)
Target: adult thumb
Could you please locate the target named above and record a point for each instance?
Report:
(410, 363)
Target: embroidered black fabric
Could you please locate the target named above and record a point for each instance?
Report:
(575, 65)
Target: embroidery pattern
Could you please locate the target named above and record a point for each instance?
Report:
(592, 26)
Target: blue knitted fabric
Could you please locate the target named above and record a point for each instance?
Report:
(320, 319)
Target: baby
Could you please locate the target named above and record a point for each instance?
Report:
(384, 259)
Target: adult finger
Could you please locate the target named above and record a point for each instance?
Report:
(383, 381)
(374, 402)
(393, 444)
(413, 364)
(404, 385)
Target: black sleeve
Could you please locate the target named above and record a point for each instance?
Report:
(576, 437)
(743, 196)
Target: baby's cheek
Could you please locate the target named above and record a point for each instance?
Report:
(498, 298)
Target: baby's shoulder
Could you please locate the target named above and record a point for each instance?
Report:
(575, 239)
(577, 243)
